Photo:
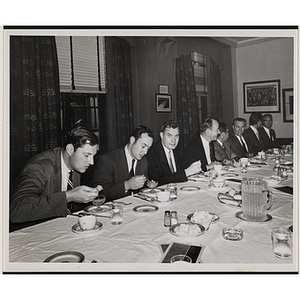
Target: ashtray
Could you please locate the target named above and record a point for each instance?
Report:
(232, 234)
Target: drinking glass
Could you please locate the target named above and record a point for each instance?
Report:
(281, 240)
(98, 201)
(180, 258)
(116, 214)
(212, 175)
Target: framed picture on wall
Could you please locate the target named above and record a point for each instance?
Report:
(163, 89)
(262, 96)
(288, 104)
(163, 103)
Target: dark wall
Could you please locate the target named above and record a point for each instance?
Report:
(153, 64)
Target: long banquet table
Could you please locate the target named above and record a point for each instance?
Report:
(135, 244)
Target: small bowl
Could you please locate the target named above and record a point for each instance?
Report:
(163, 196)
(218, 183)
(232, 234)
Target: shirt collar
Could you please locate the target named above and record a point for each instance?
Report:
(129, 158)
(254, 129)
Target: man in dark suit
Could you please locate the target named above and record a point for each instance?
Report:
(267, 133)
(126, 169)
(164, 157)
(223, 151)
(46, 188)
(236, 139)
(251, 134)
(201, 148)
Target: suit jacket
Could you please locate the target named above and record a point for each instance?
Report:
(267, 142)
(111, 170)
(255, 145)
(38, 195)
(223, 153)
(159, 169)
(236, 146)
(195, 151)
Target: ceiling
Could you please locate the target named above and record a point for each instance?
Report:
(240, 41)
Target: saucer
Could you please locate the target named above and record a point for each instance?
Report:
(216, 188)
(92, 209)
(229, 175)
(145, 209)
(186, 229)
(190, 188)
(77, 229)
(66, 257)
(241, 216)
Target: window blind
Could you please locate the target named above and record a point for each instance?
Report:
(82, 65)
(200, 72)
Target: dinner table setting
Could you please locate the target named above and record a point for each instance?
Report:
(240, 217)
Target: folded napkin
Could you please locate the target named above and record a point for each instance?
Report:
(230, 198)
(202, 217)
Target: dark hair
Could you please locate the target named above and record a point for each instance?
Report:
(138, 131)
(169, 124)
(223, 127)
(238, 119)
(208, 123)
(79, 136)
(255, 118)
(268, 115)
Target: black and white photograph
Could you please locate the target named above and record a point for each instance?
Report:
(108, 176)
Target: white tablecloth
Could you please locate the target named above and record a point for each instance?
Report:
(135, 244)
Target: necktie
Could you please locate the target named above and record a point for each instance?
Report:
(243, 144)
(131, 173)
(211, 151)
(70, 186)
(171, 162)
(70, 181)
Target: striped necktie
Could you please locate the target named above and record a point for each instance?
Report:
(70, 185)
(171, 162)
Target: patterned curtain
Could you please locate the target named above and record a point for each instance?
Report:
(119, 95)
(187, 110)
(34, 98)
(214, 89)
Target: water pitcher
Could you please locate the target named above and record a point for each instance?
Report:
(256, 199)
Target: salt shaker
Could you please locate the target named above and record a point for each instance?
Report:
(174, 218)
(167, 219)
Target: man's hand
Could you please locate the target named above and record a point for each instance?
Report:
(135, 182)
(194, 168)
(82, 194)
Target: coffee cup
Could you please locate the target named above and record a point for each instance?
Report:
(218, 168)
(87, 222)
(163, 196)
(218, 182)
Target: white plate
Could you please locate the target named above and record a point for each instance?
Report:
(92, 209)
(66, 257)
(272, 180)
(190, 189)
(215, 218)
(199, 177)
(145, 209)
(186, 229)
(239, 215)
(77, 229)
(229, 175)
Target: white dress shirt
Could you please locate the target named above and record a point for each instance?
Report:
(267, 130)
(167, 151)
(206, 149)
(64, 174)
(255, 131)
(129, 159)
(241, 138)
